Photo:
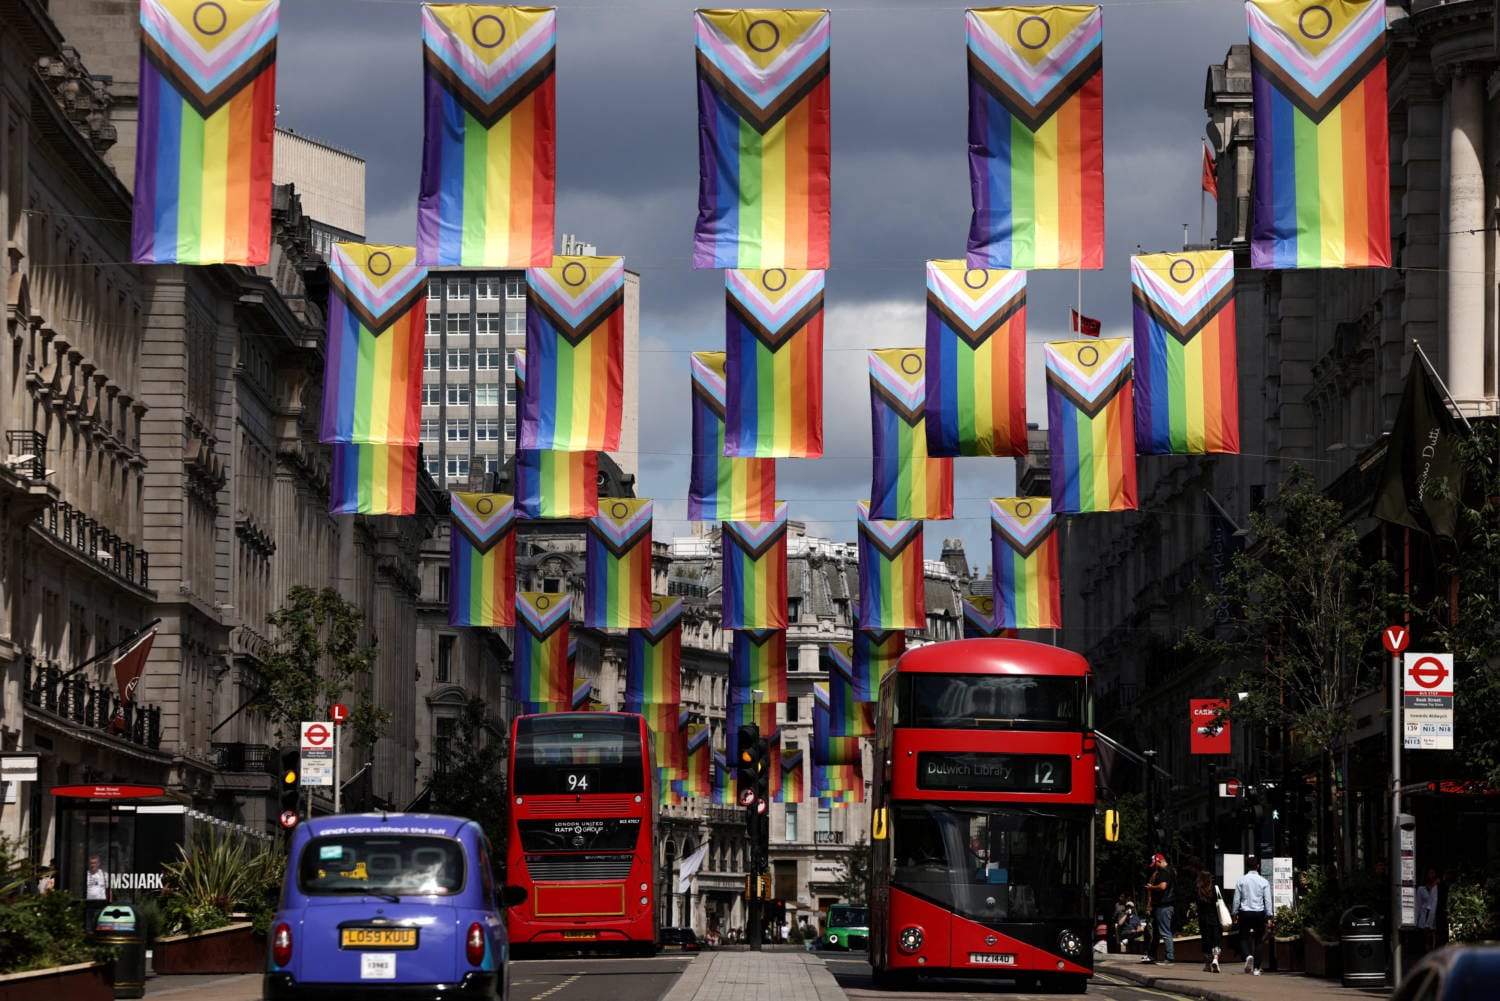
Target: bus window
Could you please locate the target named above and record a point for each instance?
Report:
(989, 701)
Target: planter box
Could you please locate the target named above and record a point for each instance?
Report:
(1321, 958)
(80, 982)
(231, 949)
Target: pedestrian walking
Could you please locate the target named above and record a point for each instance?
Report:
(1207, 897)
(1427, 905)
(1252, 905)
(1160, 888)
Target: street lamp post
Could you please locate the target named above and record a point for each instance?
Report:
(1151, 798)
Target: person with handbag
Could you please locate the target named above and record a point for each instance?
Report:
(1213, 917)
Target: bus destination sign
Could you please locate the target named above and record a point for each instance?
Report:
(971, 771)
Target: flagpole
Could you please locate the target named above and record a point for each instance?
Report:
(1432, 371)
(124, 642)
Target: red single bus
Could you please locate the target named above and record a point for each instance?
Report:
(982, 860)
(582, 831)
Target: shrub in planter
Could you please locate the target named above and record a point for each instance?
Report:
(222, 874)
(37, 932)
(1470, 918)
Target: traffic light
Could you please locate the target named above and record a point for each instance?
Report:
(288, 780)
(751, 765)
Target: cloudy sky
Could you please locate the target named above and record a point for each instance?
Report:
(350, 73)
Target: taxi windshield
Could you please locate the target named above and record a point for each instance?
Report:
(381, 864)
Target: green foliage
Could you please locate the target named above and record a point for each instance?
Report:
(37, 932)
(221, 874)
(1121, 865)
(466, 781)
(319, 654)
(853, 878)
(1471, 912)
(1325, 896)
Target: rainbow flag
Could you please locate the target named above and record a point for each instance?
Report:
(830, 747)
(1023, 548)
(724, 792)
(979, 619)
(1322, 164)
(890, 573)
(906, 483)
(583, 690)
(377, 317)
(839, 785)
(763, 139)
(722, 488)
(661, 718)
(373, 479)
(1091, 425)
(482, 560)
(653, 655)
(617, 566)
(847, 715)
(875, 652)
(1186, 375)
(757, 663)
(543, 674)
(489, 150)
(204, 139)
(575, 337)
(976, 350)
(697, 783)
(557, 484)
(1036, 137)
(754, 569)
(793, 786)
(773, 334)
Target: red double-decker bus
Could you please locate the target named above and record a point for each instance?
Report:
(582, 832)
(982, 857)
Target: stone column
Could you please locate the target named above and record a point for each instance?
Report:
(1464, 348)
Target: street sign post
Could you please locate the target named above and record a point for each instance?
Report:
(288, 819)
(1231, 788)
(338, 712)
(317, 754)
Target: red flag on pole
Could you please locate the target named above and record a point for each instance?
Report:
(1210, 174)
(1085, 325)
(129, 663)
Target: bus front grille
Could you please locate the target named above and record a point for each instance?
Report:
(564, 868)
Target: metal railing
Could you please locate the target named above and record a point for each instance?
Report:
(46, 685)
(828, 837)
(21, 444)
(73, 528)
(241, 757)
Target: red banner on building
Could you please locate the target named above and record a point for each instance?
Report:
(1210, 734)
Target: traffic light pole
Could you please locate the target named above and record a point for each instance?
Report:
(757, 907)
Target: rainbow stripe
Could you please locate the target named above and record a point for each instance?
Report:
(575, 336)
(906, 483)
(1036, 137)
(617, 566)
(489, 151)
(890, 573)
(373, 479)
(557, 484)
(697, 783)
(204, 143)
(839, 785)
(1023, 548)
(722, 488)
(723, 793)
(583, 689)
(763, 139)
(754, 569)
(976, 347)
(1187, 397)
(979, 619)
(757, 663)
(773, 334)
(482, 560)
(847, 715)
(1091, 425)
(543, 674)
(1322, 163)
(875, 654)
(793, 784)
(668, 746)
(829, 746)
(653, 655)
(377, 315)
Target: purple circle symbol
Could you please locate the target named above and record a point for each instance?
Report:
(567, 271)
(765, 280)
(984, 278)
(1191, 271)
(485, 505)
(1021, 30)
(1023, 509)
(379, 264)
(750, 36)
(198, 12)
(1088, 357)
(474, 32)
(619, 509)
(1327, 18)
(914, 359)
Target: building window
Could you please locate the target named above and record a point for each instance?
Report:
(515, 324)
(434, 289)
(442, 580)
(487, 394)
(487, 429)
(510, 395)
(825, 820)
(515, 286)
(510, 430)
(458, 324)
(458, 360)
(794, 609)
(487, 359)
(434, 325)
(434, 469)
(429, 430)
(791, 821)
(458, 465)
(487, 324)
(445, 658)
(491, 463)
(487, 288)
(432, 359)
(791, 709)
(458, 430)
(552, 585)
(458, 396)
(510, 359)
(432, 394)
(458, 288)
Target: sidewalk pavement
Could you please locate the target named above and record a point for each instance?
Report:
(772, 975)
(1233, 984)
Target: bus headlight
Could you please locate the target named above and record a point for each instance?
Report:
(910, 939)
(1070, 943)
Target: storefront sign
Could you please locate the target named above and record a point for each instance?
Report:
(1282, 893)
(108, 792)
(18, 767)
(1209, 734)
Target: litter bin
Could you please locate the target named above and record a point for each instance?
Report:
(119, 926)
(1363, 947)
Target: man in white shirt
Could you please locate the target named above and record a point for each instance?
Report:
(1252, 905)
(95, 892)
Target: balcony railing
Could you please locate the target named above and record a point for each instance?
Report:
(241, 757)
(45, 686)
(95, 542)
(26, 453)
(828, 837)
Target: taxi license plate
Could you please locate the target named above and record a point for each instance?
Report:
(580, 934)
(992, 958)
(377, 938)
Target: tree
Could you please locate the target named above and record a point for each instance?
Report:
(1121, 865)
(467, 778)
(317, 656)
(1300, 613)
(853, 878)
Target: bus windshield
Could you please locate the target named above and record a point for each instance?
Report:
(569, 755)
(846, 916)
(991, 701)
(994, 863)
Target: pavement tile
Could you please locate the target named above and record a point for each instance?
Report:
(1233, 984)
